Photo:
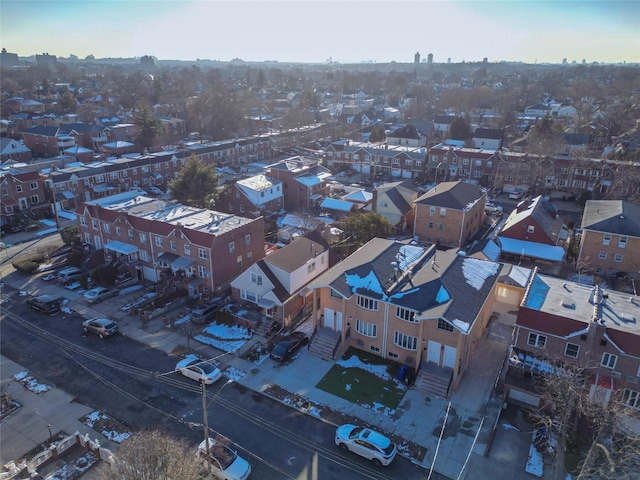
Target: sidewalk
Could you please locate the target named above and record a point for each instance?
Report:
(417, 419)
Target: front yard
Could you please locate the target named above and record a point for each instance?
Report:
(367, 380)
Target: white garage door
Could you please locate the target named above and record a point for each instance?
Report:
(150, 274)
(433, 352)
(449, 359)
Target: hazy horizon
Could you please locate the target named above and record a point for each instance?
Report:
(354, 31)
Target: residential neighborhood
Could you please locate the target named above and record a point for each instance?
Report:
(468, 231)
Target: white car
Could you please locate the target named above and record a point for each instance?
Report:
(225, 463)
(96, 295)
(491, 207)
(367, 443)
(199, 370)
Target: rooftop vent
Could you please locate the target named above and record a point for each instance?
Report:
(568, 303)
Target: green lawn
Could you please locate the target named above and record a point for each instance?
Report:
(367, 380)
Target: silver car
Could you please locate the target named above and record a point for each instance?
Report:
(96, 295)
(103, 327)
(367, 443)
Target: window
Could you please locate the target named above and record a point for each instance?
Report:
(158, 242)
(201, 271)
(393, 355)
(531, 229)
(239, 261)
(311, 267)
(609, 360)
(187, 250)
(5, 192)
(334, 294)
(202, 253)
(602, 255)
(373, 348)
(536, 340)
(631, 398)
(444, 325)
(34, 199)
(232, 247)
(247, 239)
(405, 314)
(118, 231)
(249, 255)
(19, 188)
(34, 185)
(94, 224)
(144, 256)
(367, 329)
(172, 245)
(130, 234)
(106, 227)
(571, 350)
(83, 221)
(143, 238)
(622, 242)
(617, 257)
(432, 211)
(606, 240)
(443, 212)
(256, 278)
(367, 303)
(405, 341)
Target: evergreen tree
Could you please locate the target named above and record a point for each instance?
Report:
(148, 125)
(362, 227)
(459, 129)
(196, 184)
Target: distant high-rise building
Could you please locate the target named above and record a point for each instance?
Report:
(416, 58)
(430, 58)
(46, 60)
(8, 59)
(449, 60)
(147, 62)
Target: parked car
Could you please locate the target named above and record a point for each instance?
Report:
(69, 274)
(204, 314)
(492, 208)
(103, 327)
(96, 295)
(225, 463)
(45, 303)
(198, 370)
(516, 195)
(288, 346)
(367, 443)
(49, 277)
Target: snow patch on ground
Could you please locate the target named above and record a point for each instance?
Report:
(103, 423)
(508, 426)
(31, 383)
(234, 373)
(224, 337)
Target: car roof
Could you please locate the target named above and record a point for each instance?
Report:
(376, 438)
(102, 321)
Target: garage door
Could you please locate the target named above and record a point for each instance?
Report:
(524, 397)
(449, 359)
(150, 274)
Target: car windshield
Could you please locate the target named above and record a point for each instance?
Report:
(109, 326)
(207, 368)
(281, 348)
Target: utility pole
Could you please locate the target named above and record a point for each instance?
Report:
(204, 413)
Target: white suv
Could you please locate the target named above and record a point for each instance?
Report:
(367, 443)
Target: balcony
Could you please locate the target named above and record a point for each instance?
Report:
(65, 141)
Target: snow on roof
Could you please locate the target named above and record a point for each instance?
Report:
(462, 325)
(477, 271)
(369, 282)
(309, 180)
(408, 254)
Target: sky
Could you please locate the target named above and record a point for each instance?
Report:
(350, 31)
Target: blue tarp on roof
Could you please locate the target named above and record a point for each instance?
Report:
(334, 204)
(536, 250)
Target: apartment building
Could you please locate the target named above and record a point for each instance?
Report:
(409, 303)
(610, 238)
(257, 196)
(151, 235)
(449, 214)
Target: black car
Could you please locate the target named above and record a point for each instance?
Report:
(45, 304)
(288, 346)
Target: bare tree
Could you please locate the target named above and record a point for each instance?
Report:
(153, 455)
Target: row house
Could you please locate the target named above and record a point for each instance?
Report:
(473, 165)
(257, 196)
(565, 176)
(610, 238)
(82, 183)
(304, 182)
(450, 214)
(277, 284)
(565, 323)
(409, 303)
(50, 141)
(407, 136)
(238, 151)
(22, 192)
(154, 236)
(393, 161)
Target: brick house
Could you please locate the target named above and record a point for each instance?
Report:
(565, 322)
(449, 214)
(610, 239)
(447, 162)
(50, 141)
(534, 229)
(409, 303)
(304, 182)
(13, 150)
(277, 283)
(257, 196)
(22, 192)
(154, 236)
